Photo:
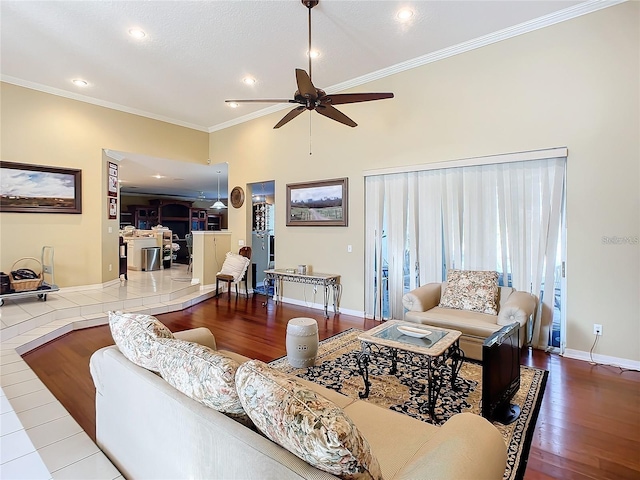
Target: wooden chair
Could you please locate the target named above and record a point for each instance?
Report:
(229, 279)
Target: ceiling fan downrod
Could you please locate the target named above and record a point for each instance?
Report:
(310, 4)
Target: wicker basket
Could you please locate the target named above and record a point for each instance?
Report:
(29, 283)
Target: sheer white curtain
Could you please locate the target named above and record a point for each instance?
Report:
(396, 207)
(403, 213)
(374, 210)
(530, 205)
(470, 216)
(426, 244)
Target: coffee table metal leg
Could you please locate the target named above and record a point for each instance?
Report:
(457, 357)
(433, 387)
(394, 361)
(363, 367)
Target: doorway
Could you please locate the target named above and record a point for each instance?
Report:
(263, 238)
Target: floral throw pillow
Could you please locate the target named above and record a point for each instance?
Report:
(200, 373)
(472, 290)
(136, 337)
(305, 423)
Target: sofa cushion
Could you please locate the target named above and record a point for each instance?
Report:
(304, 422)
(469, 323)
(472, 290)
(234, 265)
(136, 336)
(200, 373)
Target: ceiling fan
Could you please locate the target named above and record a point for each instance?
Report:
(311, 98)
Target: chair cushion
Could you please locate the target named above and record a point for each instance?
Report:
(472, 290)
(234, 265)
(200, 373)
(136, 335)
(304, 422)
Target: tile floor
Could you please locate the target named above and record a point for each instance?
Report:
(38, 437)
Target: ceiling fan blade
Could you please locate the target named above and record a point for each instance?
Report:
(305, 87)
(265, 100)
(290, 116)
(342, 98)
(335, 114)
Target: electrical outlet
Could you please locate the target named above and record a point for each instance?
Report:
(597, 329)
(349, 248)
(110, 267)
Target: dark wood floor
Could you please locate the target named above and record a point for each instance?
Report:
(589, 422)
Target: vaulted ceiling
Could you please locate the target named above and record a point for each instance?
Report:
(196, 54)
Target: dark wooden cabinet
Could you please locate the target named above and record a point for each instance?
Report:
(198, 219)
(214, 222)
(177, 215)
(144, 216)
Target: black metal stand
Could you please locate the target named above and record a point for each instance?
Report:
(433, 366)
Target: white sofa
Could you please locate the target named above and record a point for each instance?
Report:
(150, 430)
(422, 306)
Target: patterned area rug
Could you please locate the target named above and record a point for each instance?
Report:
(336, 368)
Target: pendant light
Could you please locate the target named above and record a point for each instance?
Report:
(218, 204)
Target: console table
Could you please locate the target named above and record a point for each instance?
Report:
(329, 281)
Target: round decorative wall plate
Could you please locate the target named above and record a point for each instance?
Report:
(237, 197)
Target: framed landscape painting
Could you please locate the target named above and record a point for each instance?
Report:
(38, 189)
(322, 203)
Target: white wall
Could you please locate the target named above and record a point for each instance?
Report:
(574, 84)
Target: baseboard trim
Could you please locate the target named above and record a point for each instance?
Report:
(602, 359)
(320, 306)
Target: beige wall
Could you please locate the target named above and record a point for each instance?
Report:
(575, 84)
(39, 128)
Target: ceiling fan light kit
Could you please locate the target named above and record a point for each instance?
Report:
(308, 97)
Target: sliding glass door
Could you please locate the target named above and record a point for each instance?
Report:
(505, 216)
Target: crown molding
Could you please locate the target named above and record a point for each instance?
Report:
(495, 37)
(94, 101)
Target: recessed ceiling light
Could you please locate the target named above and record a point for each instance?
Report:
(78, 82)
(233, 104)
(137, 33)
(404, 14)
(158, 176)
(314, 53)
(249, 80)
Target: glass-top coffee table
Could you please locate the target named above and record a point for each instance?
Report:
(433, 348)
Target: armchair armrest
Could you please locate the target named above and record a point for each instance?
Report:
(518, 308)
(422, 298)
(200, 335)
(467, 446)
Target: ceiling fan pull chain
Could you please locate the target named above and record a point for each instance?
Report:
(309, 133)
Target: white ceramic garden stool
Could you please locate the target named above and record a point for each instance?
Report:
(302, 342)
